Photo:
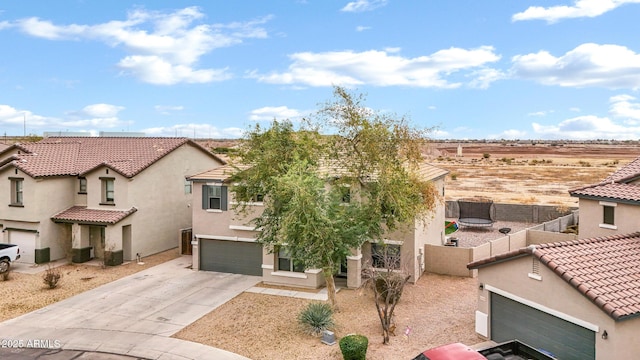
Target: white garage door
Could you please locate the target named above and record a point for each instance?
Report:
(26, 240)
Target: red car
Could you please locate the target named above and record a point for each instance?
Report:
(455, 351)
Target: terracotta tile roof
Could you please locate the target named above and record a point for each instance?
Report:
(612, 190)
(59, 156)
(80, 214)
(626, 173)
(605, 269)
(222, 173)
(219, 174)
(617, 186)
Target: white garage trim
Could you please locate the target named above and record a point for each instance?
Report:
(558, 314)
(228, 238)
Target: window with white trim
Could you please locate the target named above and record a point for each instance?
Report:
(608, 214)
(287, 263)
(385, 256)
(82, 185)
(17, 191)
(214, 197)
(108, 191)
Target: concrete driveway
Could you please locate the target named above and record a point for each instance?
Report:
(134, 316)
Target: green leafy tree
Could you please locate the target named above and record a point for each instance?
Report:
(302, 176)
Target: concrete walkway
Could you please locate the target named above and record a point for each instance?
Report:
(133, 316)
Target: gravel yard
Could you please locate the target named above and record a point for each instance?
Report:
(437, 309)
(469, 236)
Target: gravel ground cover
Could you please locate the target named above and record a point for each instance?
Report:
(24, 293)
(436, 310)
(469, 236)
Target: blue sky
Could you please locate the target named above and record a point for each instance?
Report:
(500, 69)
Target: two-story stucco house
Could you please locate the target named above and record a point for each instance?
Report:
(612, 206)
(225, 241)
(104, 197)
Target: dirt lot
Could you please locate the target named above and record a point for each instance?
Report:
(527, 174)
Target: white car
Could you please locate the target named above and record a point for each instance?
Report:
(8, 254)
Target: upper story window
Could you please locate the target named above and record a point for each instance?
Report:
(345, 192)
(108, 191)
(287, 263)
(187, 187)
(214, 197)
(82, 185)
(17, 191)
(608, 215)
(385, 256)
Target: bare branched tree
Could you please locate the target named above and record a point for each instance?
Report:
(386, 278)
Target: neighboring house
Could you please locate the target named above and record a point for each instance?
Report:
(576, 299)
(225, 241)
(612, 206)
(84, 196)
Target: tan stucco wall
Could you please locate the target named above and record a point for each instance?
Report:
(158, 194)
(41, 199)
(626, 219)
(554, 293)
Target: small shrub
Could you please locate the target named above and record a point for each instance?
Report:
(454, 176)
(486, 155)
(316, 318)
(51, 277)
(387, 284)
(5, 275)
(354, 347)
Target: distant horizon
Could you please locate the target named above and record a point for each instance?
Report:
(554, 69)
(462, 141)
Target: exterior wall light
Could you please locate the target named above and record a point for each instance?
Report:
(605, 335)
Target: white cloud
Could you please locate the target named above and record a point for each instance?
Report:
(587, 127)
(362, 28)
(540, 113)
(90, 118)
(155, 70)
(268, 113)
(575, 109)
(164, 47)
(511, 134)
(610, 66)
(623, 123)
(580, 8)
(168, 109)
(102, 110)
(363, 5)
(198, 131)
(384, 68)
(623, 106)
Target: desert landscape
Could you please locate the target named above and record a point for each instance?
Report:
(532, 173)
(436, 310)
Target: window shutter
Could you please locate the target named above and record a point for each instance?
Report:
(205, 196)
(223, 198)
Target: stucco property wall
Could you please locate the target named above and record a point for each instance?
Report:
(527, 213)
